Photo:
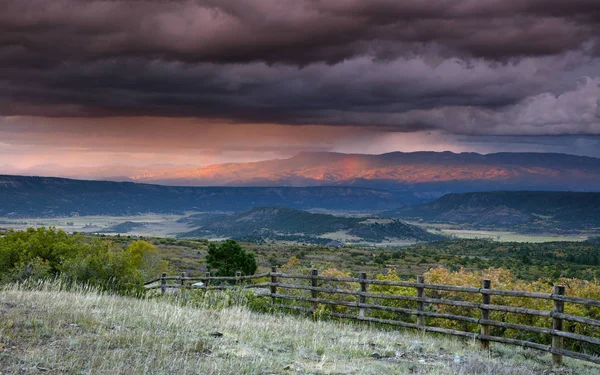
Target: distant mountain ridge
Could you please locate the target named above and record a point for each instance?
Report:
(414, 176)
(326, 168)
(283, 223)
(46, 197)
(520, 210)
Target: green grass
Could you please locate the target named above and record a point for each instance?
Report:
(49, 330)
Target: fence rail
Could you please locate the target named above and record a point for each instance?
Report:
(275, 286)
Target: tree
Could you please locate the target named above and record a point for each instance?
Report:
(146, 258)
(228, 258)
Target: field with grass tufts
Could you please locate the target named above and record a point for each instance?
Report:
(44, 329)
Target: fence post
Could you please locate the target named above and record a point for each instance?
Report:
(314, 293)
(557, 324)
(238, 281)
(273, 283)
(182, 281)
(485, 314)
(362, 299)
(207, 280)
(163, 283)
(420, 304)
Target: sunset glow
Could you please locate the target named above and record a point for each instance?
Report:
(86, 85)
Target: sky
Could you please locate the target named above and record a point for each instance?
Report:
(89, 83)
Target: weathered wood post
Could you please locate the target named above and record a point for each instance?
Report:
(182, 281)
(273, 284)
(207, 284)
(362, 299)
(558, 324)
(163, 283)
(314, 293)
(420, 304)
(238, 281)
(485, 314)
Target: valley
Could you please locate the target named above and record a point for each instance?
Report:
(173, 226)
(265, 224)
(333, 216)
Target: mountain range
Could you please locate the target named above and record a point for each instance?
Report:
(415, 177)
(523, 211)
(51, 197)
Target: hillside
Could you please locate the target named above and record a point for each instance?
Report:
(417, 175)
(125, 227)
(281, 223)
(48, 197)
(523, 210)
(57, 332)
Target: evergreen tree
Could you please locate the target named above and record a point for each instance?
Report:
(228, 258)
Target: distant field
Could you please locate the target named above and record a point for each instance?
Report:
(159, 225)
(511, 236)
(455, 231)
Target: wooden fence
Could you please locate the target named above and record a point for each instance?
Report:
(312, 281)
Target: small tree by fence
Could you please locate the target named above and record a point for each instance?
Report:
(320, 286)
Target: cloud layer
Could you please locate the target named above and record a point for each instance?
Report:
(465, 67)
(293, 31)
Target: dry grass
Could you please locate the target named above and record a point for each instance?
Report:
(51, 331)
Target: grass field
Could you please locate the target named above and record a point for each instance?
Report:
(501, 236)
(82, 332)
(457, 231)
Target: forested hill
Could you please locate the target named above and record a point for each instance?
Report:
(286, 223)
(518, 209)
(46, 197)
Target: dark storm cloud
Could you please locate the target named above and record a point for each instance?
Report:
(257, 92)
(292, 31)
(462, 66)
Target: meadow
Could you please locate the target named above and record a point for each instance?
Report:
(459, 232)
(504, 236)
(47, 329)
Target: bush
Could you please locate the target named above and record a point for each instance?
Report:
(503, 279)
(327, 308)
(394, 290)
(49, 254)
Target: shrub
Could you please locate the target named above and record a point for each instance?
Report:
(50, 253)
(505, 280)
(393, 290)
(333, 272)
